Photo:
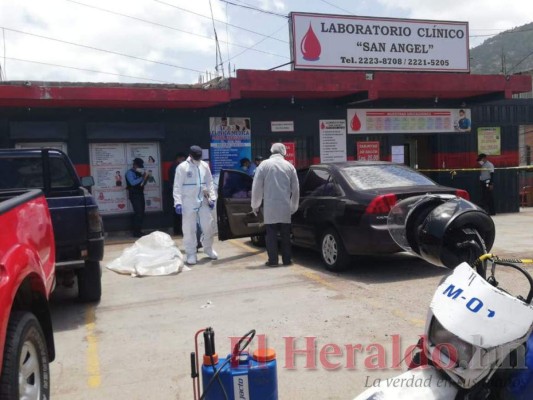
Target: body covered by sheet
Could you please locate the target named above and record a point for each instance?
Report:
(151, 255)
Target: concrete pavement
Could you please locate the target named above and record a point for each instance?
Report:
(136, 342)
(514, 233)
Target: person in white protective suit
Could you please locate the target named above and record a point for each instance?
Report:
(276, 185)
(194, 198)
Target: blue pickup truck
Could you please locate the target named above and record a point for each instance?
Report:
(76, 221)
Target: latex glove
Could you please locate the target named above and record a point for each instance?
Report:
(211, 204)
(256, 211)
(178, 209)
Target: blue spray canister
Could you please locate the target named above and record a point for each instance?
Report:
(242, 376)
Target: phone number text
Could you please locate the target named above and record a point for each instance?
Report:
(395, 61)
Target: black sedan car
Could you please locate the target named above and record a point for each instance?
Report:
(343, 207)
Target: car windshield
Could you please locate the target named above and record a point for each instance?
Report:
(383, 176)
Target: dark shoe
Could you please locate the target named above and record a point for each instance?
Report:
(287, 263)
(271, 264)
(138, 234)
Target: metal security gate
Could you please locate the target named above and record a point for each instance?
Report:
(303, 148)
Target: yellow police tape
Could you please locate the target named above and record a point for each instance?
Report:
(525, 168)
(454, 171)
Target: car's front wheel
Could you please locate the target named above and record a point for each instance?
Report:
(258, 240)
(25, 371)
(332, 250)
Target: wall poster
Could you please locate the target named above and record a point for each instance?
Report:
(370, 121)
(332, 140)
(368, 151)
(109, 163)
(489, 141)
(231, 141)
(398, 154)
(291, 152)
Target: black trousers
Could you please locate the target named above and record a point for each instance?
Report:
(487, 198)
(272, 242)
(137, 202)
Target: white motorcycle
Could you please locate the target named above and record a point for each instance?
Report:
(478, 341)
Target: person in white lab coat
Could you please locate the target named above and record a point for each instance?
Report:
(276, 186)
(194, 198)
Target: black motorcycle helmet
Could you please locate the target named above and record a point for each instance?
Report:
(444, 230)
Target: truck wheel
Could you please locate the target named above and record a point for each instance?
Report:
(332, 251)
(26, 373)
(258, 240)
(90, 282)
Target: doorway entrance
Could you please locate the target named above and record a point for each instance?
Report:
(417, 152)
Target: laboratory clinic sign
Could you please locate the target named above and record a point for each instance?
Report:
(320, 41)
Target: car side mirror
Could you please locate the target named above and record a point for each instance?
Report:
(87, 181)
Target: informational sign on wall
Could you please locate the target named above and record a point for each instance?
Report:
(332, 140)
(489, 140)
(109, 164)
(320, 41)
(398, 154)
(369, 121)
(291, 152)
(282, 126)
(230, 142)
(368, 151)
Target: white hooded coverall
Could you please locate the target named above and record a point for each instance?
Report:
(193, 188)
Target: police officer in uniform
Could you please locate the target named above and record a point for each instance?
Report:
(486, 180)
(135, 181)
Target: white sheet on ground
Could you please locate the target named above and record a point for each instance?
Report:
(151, 255)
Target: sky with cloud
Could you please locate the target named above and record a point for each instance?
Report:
(173, 41)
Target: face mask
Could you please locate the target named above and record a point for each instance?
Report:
(196, 158)
(480, 162)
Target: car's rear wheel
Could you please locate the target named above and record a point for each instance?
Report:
(25, 371)
(258, 240)
(332, 250)
(90, 282)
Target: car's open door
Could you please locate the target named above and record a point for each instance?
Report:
(234, 213)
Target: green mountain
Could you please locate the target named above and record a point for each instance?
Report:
(508, 52)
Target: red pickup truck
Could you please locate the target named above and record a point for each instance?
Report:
(27, 257)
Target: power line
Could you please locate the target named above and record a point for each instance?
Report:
(519, 62)
(217, 20)
(4, 37)
(227, 35)
(167, 26)
(337, 7)
(85, 69)
(251, 47)
(502, 32)
(253, 8)
(103, 50)
(218, 54)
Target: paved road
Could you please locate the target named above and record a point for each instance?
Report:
(136, 342)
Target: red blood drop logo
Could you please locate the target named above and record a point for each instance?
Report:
(323, 126)
(355, 123)
(310, 46)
